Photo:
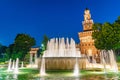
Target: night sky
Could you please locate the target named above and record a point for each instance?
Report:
(55, 18)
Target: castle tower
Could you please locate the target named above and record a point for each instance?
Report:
(86, 42)
(88, 22)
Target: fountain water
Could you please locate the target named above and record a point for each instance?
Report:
(113, 61)
(9, 65)
(16, 66)
(59, 48)
(13, 65)
(103, 61)
(108, 58)
(42, 69)
(76, 68)
(15, 76)
(102, 57)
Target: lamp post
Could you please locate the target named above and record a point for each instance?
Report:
(42, 49)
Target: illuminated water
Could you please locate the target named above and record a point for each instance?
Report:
(33, 74)
(59, 47)
(13, 65)
(16, 66)
(9, 65)
(42, 69)
(76, 69)
(108, 58)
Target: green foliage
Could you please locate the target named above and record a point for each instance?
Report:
(2, 53)
(27, 57)
(118, 59)
(17, 55)
(24, 42)
(20, 47)
(107, 36)
(44, 42)
(2, 49)
(9, 50)
(42, 49)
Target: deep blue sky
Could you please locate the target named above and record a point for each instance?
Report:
(55, 18)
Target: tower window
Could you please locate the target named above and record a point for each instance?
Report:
(89, 44)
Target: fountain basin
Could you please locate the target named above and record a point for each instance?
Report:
(63, 63)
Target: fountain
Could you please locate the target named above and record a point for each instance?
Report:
(13, 65)
(58, 48)
(108, 60)
(42, 69)
(60, 52)
(64, 61)
(9, 65)
(113, 62)
(16, 66)
(103, 62)
(76, 68)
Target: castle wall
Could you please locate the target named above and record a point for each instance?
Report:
(87, 43)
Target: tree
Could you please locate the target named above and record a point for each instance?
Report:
(2, 49)
(9, 51)
(21, 46)
(27, 58)
(45, 41)
(44, 44)
(2, 52)
(23, 42)
(107, 36)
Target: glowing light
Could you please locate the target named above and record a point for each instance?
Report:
(16, 66)
(76, 69)
(9, 65)
(42, 70)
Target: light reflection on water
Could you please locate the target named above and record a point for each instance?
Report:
(16, 77)
(60, 78)
(9, 77)
(85, 77)
(56, 76)
(115, 78)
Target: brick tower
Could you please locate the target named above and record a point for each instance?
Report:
(86, 42)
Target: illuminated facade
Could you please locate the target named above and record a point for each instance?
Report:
(86, 42)
(33, 54)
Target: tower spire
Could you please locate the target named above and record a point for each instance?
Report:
(88, 22)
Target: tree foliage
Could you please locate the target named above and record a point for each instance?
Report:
(107, 35)
(3, 52)
(2, 49)
(45, 41)
(10, 51)
(21, 46)
(44, 44)
(23, 42)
